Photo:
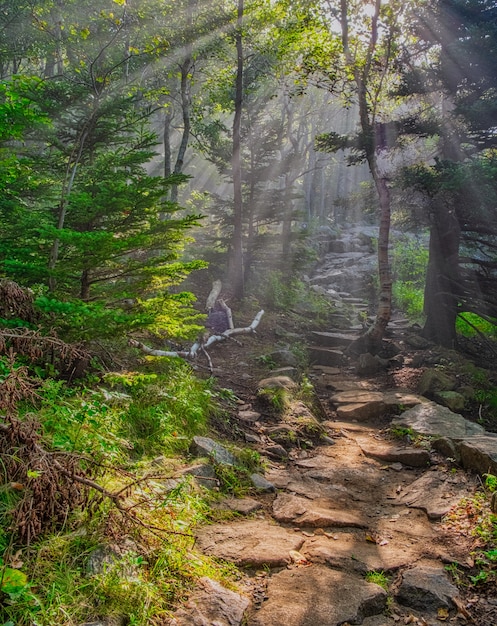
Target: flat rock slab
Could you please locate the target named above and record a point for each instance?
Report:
(431, 418)
(361, 404)
(479, 453)
(333, 340)
(352, 552)
(436, 493)
(210, 604)
(320, 513)
(389, 453)
(250, 544)
(326, 356)
(317, 595)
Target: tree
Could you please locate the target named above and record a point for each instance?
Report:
(362, 67)
(96, 229)
(462, 37)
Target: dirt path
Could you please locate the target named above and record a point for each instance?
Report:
(338, 514)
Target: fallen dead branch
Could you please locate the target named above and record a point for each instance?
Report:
(201, 345)
(52, 484)
(219, 327)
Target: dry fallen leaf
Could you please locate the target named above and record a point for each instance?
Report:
(297, 558)
(442, 614)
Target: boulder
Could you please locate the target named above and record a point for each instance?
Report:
(479, 453)
(277, 382)
(326, 356)
(389, 453)
(204, 475)
(433, 381)
(427, 589)
(261, 484)
(436, 493)
(369, 364)
(451, 399)
(430, 418)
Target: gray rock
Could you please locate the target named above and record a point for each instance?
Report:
(320, 596)
(333, 340)
(204, 475)
(431, 418)
(417, 342)
(291, 372)
(275, 450)
(101, 559)
(211, 604)
(244, 506)
(451, 399)
(208, 447)
(447, 448)
(249, 416)
(261, 484)
(388, 453)
(302, 512)
(435, 493)
(284, 358)
(368, 364)
(479, 453)
(326, 356)
(433, 381)
(426, 588)
(277, 382)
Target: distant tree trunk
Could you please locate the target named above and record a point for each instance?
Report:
(166, 140)
(442, 278)
(236, 260)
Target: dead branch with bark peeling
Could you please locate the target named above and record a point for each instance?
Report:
(214, 303)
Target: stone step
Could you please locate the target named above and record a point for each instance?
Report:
(333, 340)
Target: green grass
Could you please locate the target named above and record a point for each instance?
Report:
(378, 578)
(128, 420)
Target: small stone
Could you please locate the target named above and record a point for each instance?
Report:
(209, 447)
(249, 416)
(261, 483)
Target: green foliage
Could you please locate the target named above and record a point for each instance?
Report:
(490, 482)
(378, 578)
(409, 264)
(235, 479)
(162, 416)
(281, 293)
(471, 325)
(276, 397)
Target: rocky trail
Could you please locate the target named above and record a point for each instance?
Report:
(357, 493)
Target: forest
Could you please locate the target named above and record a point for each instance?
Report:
(153, 149)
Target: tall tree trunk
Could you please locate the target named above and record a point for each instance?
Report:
(166, 140)
(442, 278)
(236, 261)
(185, 110)
(441, 296)
(372, 339)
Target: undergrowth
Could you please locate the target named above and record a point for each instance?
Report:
(477, 517)
(121, 436)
